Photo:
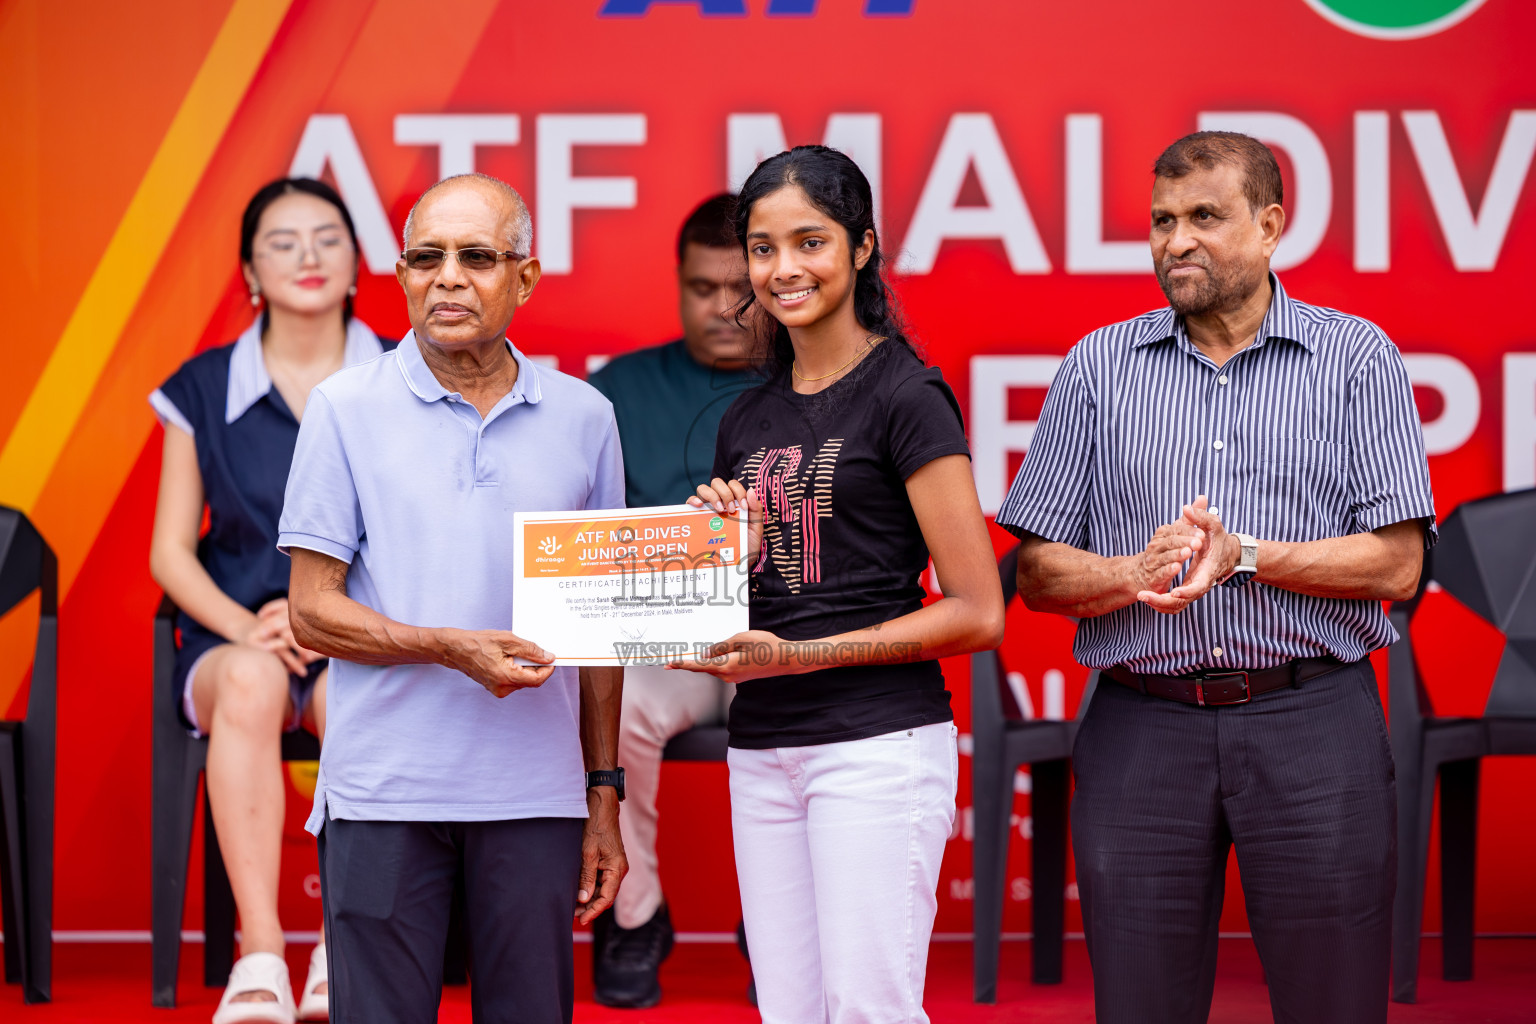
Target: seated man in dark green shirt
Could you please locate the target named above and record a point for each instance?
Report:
(668, 401)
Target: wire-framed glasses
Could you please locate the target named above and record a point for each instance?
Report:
(289, 246)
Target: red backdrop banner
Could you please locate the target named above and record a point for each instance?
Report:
(1010, 145)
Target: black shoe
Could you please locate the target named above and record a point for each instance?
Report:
(741, 944)
(626, 961)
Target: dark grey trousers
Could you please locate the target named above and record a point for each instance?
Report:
(387, 887)
(1300, 781)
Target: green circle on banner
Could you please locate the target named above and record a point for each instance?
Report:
(1394, 19)
(716, 523)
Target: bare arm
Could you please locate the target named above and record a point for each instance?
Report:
(174, 564)
(1060, 578)
(603, 864)
(602, 691)
(969, 617)
(326, 620)
(173, 545)
(1382, 565)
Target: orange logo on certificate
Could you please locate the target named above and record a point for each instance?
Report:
(583, 546)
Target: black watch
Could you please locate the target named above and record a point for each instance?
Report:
(614, 778)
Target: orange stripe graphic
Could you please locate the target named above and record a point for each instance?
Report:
(92, 332)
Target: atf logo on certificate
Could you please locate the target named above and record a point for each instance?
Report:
(633, 586)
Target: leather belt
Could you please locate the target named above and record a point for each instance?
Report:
(1216, 688)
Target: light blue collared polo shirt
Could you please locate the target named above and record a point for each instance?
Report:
(403, 480)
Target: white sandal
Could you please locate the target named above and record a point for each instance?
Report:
(316, 1005)
(257, 972)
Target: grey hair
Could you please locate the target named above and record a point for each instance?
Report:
(520, 237)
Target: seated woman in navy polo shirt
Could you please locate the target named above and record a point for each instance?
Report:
(231, 418)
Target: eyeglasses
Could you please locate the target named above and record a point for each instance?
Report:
(323, 246)
(474, 259)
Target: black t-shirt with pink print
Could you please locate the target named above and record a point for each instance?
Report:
(841, 545)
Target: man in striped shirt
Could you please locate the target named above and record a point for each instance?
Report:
(1224, 491)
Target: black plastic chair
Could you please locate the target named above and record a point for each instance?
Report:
(1002, 741)
(179, 758)
(704, 743)
(27, 767)
(178, 762)
(701, 743)
(1486, 559)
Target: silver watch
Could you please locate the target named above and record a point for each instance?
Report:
(1247, 562)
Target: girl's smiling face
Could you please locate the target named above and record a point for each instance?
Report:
(801, 265)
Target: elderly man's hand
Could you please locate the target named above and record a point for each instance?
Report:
(1173, 544)
(1217, 555)
(603, 864)
(488, 656)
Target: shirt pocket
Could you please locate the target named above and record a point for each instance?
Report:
(1304, 488)
(1303, 451)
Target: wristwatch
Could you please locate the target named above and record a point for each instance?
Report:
(1247, 563)
(614, 778)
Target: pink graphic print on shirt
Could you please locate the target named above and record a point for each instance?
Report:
(796, 496)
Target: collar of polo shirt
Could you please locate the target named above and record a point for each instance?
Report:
(425, 385)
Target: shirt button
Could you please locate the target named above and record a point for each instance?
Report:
(1217, 445)
(1215, 511)
(1216, 652)
(1222, 380)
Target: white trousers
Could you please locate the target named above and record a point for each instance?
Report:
(838, 848)
(658, 704)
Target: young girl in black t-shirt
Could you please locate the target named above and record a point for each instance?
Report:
(852, 465)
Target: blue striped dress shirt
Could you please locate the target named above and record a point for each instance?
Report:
(1309, 433)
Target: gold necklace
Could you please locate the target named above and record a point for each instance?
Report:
(794, 363)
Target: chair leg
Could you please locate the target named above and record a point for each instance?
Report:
(1048, 855)
(218, 906)
(178, 762)
(1458, 864)
(38, 737)
(1415, 807)
(992, 806)
(12, 887)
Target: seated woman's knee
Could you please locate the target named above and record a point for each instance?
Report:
(252, 688)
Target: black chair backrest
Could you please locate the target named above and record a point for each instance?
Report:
(1008, 574)
(24, 560)
(27, 564)
(1486, 559)
(992, 698)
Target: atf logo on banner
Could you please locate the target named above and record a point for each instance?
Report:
(1395, 19)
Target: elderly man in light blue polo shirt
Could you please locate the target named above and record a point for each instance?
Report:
(453, 746)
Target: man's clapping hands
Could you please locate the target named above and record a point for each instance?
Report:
(1198, 537)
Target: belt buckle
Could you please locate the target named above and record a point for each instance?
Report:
(1206, 677)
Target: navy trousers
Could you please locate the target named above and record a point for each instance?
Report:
(1300, 781)
(387, 888)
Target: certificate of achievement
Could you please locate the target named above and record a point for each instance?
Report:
(634, 586)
